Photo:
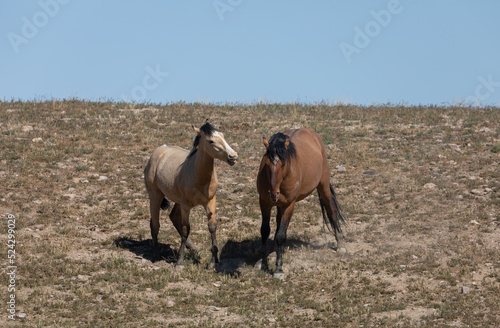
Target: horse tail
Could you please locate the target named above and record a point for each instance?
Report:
(165, 204)
(329, 221)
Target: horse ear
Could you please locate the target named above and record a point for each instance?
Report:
(265, 142)
(287, 142)
(196, 129)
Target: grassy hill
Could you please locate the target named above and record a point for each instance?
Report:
(420, 192)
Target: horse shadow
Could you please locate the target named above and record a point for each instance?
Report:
(234, 255)
(143, 249)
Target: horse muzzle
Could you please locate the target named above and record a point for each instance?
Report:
(232, 159)
(274, 197)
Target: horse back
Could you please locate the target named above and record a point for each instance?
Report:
(310, 164)
(163, 167)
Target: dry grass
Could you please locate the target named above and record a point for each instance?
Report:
(424, 226)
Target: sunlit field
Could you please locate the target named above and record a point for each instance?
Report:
(419, 188)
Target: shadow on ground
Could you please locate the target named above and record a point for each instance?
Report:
(143, 249)
(235, 255)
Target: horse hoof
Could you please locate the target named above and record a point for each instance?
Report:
(213, 265)
(279, 275)
(341, 249)
(261, 265)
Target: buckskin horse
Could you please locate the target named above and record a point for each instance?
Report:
(186, 178)
(295, 163)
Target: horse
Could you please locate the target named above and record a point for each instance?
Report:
(188, 179)
(294, 164)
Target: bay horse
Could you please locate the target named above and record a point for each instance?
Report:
(186, 178)
(295, 163)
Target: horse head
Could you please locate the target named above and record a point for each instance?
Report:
(213, 142)
(279, 151)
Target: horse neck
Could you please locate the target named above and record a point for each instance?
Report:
(289, 171)
(204, 167)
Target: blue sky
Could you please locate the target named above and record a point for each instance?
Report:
(244, 51)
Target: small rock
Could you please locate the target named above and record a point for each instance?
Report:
(170, 304)
(372, 173)
(474, 222)
(430, 186)
(39, 226)
(102, 178)
(82, 278)
(22, 315)
(213, 308)
(27, 128)
(465, 290)
(37, 140)
(70, 196)
(478, 192)
(340, 168)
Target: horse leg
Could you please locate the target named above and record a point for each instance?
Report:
(282, 220)
(212, 228)
(175, 216)
(180, 218)
(155, 199)
(333, 212)
(265, 230)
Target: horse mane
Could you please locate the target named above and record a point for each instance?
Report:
(207, 129)
(277, 148)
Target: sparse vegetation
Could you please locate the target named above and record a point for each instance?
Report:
(419, 190)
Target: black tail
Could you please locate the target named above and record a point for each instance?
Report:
(330, 221)
(165, 204)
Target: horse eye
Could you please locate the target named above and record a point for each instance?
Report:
(211, 141)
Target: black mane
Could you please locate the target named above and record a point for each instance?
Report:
(209, 130)
(277, 148)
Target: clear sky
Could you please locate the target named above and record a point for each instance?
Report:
(243, 51)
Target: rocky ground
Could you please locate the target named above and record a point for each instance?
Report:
(419, 187)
